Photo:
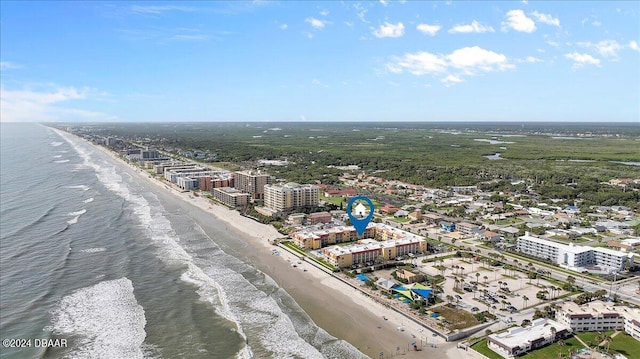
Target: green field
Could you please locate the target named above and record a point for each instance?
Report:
(555, 349)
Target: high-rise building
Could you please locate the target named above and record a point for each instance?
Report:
(251, 182)
(286, 197)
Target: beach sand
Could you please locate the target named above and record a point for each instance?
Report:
(341, 310)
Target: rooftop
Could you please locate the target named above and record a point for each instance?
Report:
(519, 336)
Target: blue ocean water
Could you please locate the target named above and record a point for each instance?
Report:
(95, 255)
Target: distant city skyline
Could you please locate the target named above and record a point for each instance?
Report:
(285, 61)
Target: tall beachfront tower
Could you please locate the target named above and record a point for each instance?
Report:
(251, 182)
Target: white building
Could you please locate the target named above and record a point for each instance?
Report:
(572, 256)
(518, 340)
(599, 316)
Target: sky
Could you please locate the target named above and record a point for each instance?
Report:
(320, 61)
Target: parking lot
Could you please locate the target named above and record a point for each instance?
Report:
(482, 287)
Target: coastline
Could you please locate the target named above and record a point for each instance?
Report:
(334, 306)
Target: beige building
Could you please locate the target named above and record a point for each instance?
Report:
(251, 182)
(368, 250)
(230, 196)
(286, 197)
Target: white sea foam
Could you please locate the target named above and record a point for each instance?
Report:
(249, 308)
(77, 213)
(106, 318)
(82, 187)
(61, 161)
(93, 250)
(57, 156)
(55, 143)
(88, 200)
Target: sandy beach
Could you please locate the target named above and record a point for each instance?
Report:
(341, 310)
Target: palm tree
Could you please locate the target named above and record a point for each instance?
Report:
(525, 299)
(477, 277)
(485, 279)
(457, 282)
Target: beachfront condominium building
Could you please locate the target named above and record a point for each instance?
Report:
(368, 250)
(173, 175)
(290, 196)
(319, 238)
(230, 196)
(572, 256)
(208, 183)
(251, 182)
(599, 316)
(518, 340)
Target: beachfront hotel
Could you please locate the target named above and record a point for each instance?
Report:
(230, 196)
(251, 182)
(518, 340)
(599, 316)
(572, 256)
(368, 250)
(286, 197)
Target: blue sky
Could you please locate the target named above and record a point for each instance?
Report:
(320, 61)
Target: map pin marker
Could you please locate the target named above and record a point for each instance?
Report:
(359, 223)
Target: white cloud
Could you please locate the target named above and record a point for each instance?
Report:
(6, 65)
(475, 26)
(384, 2)
(606, 48)
(596, 23)
(284, 27)
(546, 19)
(475, 58)
(532, 59)
(317, 24)
(360, 12)
(451, 80)
(28, 105)
(324, 12)
(633, 45)
(466, 61)
(389, 30)
(429, 29)
(518, 21)
(420, 63)
(348, 23)
(580, 60)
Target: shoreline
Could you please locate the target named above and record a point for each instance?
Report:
(342, 311)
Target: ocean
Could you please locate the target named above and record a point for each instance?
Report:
(92, 254)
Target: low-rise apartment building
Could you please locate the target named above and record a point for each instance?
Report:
(368, 250)
(230, 196)
(599, 316)
(518, 340)
(468, 229)
(319, 238)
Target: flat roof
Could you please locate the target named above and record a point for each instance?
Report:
(519, 336)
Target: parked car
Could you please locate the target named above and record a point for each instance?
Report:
(475, 309)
